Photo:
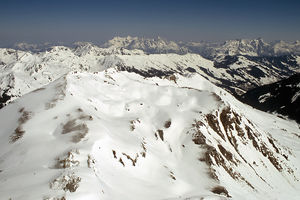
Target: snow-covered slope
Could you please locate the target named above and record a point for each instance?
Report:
(22, 72)
(249, 72)
(236, 74)
(117, 135)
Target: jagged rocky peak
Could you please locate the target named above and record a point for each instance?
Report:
(85, 45)
(132, 41)
(148, 45)
(255, 47)
(120, 41)
(84, 48)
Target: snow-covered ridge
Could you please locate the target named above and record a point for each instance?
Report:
(23, 71)
(120, 135)
(236, 74)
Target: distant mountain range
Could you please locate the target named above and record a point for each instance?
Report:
(255, 47)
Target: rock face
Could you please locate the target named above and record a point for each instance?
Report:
(282, 97)
(118, 135)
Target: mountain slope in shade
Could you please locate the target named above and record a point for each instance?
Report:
(282, 97)
(117, 135)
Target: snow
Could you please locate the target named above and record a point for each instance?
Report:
(149, 45)
(79, 128)
(298, 59)
(295, 97)
(25, 71)
(247, 47)
(100, 135)
(264, 97)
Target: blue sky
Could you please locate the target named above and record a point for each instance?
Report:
(37, 21)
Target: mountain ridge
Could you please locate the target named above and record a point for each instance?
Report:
(24, 71)
(110, 127)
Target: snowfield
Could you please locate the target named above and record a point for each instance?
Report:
(118, 135)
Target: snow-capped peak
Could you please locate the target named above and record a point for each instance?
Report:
(148, 45)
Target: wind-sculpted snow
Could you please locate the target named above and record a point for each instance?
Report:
(118, 135)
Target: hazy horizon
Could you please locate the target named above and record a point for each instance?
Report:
(94, 21)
